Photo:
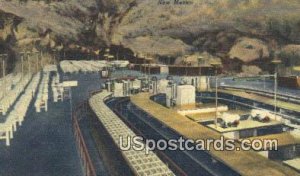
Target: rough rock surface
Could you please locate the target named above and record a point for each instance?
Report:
(249, 50)
(152, 28)
(291, 50)
(250, 70)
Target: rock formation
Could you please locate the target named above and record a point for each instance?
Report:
(247, 30)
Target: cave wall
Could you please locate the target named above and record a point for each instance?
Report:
(154, 29)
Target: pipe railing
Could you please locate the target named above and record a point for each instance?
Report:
(283, 96)
(89, 169)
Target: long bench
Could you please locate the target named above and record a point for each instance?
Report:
(72, 66)
(11, 96)
(57, 88)
(42, 97)
(67, 67)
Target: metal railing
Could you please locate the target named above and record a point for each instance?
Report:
(89, 169)
(282, 96)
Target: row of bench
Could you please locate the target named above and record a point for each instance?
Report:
(12, 94)
(16, 116)
(50, 68)
(140, 162)
(71, 66)
(57, 88)
(42, 96)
